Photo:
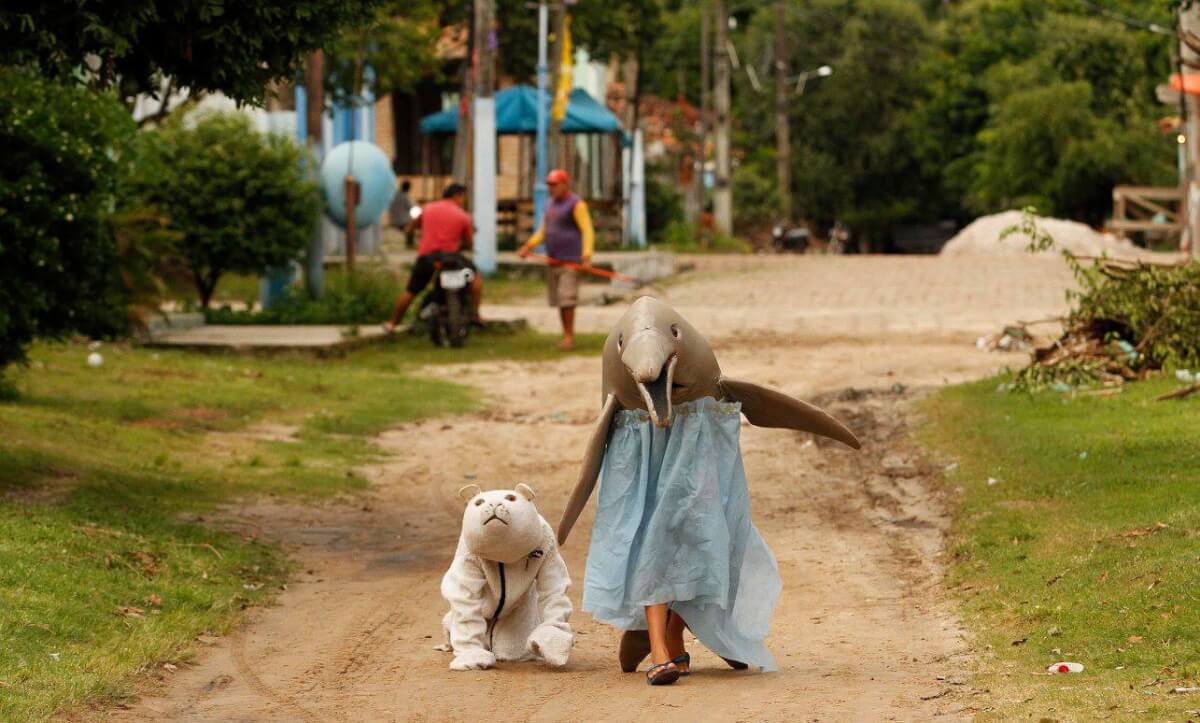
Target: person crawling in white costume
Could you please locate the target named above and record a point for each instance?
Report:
(507, 586)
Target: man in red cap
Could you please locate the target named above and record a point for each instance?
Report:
(567, 232)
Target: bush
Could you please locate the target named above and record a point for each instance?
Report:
(364, 297)
(686, 238)
(664, 205)
(59, 179)
(238, 199)
(1127, 320)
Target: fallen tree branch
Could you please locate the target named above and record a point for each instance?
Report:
(1178, 393)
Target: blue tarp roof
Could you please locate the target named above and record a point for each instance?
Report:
(516, 112)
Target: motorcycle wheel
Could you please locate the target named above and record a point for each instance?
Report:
(437, 327)
(457, 325)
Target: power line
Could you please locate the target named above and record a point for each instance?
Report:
(1129, 21)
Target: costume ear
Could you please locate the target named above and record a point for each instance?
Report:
(768, 408)
(525, 491)
(468, 492)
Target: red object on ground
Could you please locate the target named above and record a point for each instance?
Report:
(580, 267)
(1063, 668)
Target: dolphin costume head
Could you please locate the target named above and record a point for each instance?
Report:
(654, 360)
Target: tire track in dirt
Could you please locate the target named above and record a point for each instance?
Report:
(248, 674)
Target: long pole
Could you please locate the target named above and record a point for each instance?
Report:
(540, 191)
(705, 106)
(484, 116)
(783, 140)
(723, 192)
(314, 113)
(1189, 21)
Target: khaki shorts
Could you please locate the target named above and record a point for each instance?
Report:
(562, 286)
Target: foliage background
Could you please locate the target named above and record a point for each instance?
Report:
(60, 172)
(939, 110)
(238, 199)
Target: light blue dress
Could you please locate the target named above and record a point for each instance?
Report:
(673, 525)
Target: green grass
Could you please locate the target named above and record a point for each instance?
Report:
(1086, 549)
(106, 566)
(507, 289)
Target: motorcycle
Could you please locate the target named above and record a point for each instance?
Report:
(446, 308)
(786, 237)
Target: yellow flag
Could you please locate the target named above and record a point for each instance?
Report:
(566, 75)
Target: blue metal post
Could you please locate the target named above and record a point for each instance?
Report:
(540, 191)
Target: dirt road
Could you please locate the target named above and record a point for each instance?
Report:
(862, 631)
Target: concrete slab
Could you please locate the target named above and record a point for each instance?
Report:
(318, 340)
(315, 339)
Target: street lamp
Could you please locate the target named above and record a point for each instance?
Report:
(801, 80)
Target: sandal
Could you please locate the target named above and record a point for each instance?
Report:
(684, 659)
(660, 674)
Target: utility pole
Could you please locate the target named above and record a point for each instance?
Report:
(1189, 28)
(314, 112)
(783, 133)
(462, 136)
(554, 134)
(723, 191)
(483, 189)
(705, 101)
(540, 191)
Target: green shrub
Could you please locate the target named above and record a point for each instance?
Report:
(238, 199)
(683, 237)
(364, 297)
(1127, 320)
(59, 180)
(664, 205)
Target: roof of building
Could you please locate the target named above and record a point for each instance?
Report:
(516, 113)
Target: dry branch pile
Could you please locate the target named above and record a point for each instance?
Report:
(1128, 319)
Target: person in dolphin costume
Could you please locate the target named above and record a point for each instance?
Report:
(672, 544)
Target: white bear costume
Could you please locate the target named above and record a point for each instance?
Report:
(507, 586)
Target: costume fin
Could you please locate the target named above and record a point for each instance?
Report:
(768, 408)
(592, 460)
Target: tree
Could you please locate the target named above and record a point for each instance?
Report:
(397, 41)
(996, 57)
(59, 176)
(205, 45)
(239, 200)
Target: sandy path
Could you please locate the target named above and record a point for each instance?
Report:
(862, 631)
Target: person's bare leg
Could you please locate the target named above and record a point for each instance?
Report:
(402, 305)
(476, 298)
(567, 314)
(675, 627)
(656, 625)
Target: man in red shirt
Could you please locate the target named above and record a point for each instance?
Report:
(445, 228)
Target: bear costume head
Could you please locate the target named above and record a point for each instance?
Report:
(501, 525)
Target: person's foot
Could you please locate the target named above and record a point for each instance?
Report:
(664, 673)
(567, 344)
(388, 327)
(675, 644)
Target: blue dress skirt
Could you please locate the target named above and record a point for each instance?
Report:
(673, 526)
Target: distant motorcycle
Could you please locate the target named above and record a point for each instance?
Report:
(788, 238)
(446, 307)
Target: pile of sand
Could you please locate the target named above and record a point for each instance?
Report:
(982, 237)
